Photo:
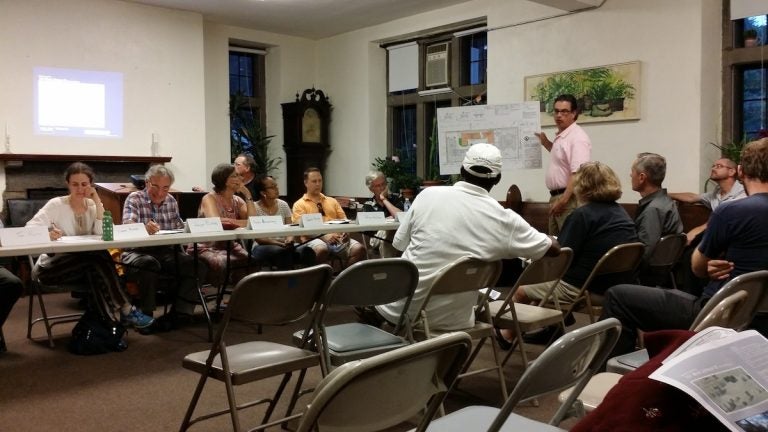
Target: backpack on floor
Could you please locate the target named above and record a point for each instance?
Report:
(94, 334)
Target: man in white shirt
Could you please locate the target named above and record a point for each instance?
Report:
(446, 223)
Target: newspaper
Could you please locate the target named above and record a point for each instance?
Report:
(726, 372)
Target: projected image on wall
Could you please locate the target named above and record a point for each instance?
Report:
(78, 103)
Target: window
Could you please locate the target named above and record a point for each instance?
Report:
(745, 80)
(475, 49)
(452, 72)
(246, 98)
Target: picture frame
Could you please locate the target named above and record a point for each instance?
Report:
(604, 93)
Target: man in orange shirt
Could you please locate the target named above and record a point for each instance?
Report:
(333, 244)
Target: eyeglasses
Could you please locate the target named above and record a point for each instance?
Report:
(718, 166)
(164, 188)
(379, 184)
(320, 209)
(563, 112)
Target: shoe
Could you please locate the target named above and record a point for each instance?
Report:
(503, 343)
(543, 336)
(136, 318)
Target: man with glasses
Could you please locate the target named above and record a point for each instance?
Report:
(728, 188)
(735, 243)
(158, 210)
(386, 202)
(334, 244)
(570, 148)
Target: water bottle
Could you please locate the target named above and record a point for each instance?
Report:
(407, 205)
(107, 227)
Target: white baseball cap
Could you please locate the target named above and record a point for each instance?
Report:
(485, 155)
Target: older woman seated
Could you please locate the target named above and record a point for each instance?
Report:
(80, 213)
(234, 212)
(597, 225)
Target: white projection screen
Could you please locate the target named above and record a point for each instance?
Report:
(78, 103)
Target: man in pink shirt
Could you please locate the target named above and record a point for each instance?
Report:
(570, 148)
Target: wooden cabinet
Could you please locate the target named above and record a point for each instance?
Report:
(113, 195)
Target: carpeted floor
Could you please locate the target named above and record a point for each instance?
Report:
(146, 389)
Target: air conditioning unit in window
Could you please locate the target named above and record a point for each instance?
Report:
(437, 65)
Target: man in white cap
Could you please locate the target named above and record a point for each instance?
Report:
(450, 222)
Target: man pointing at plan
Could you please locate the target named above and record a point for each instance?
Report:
(570, 148)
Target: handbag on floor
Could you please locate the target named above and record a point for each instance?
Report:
(95, 334)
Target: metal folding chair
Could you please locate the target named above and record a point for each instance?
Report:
(383, 391)
(261, 299)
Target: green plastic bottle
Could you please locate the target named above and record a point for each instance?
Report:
(107, 227)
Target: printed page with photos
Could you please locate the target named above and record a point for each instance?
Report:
(727, 372)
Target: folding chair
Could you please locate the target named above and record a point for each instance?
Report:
(570, 361)
(734, 313)
(522, 318)
(624, 258)
(468, 275)
(260, 299)
(733, 306)
(36, 290)
(665, 255)
(366, 283)
(383, 391)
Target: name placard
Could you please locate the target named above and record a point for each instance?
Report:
(130, 231)
(24, 236)
(263, 223)
(311, 220)
(204, 225)
(370, 218)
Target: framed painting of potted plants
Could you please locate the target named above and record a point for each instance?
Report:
(604, 93)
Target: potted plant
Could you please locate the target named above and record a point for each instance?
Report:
(750, 37)
(732, 150)
(409, 184)
(433, 168)
(247, 136)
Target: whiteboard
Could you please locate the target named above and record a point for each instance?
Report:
(510, 127)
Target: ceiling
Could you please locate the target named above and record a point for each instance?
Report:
(314, 19)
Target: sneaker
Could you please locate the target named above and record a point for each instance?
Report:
(136, 318)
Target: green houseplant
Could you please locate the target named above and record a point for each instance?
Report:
(247, 135)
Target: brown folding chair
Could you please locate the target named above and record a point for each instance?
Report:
(261, 299)
(468, 275)
(665, 255)
(388, 389)
(624, 258)
(522, 318)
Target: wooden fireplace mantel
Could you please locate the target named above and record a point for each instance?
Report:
(22, 157)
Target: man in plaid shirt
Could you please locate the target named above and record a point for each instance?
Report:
(158, 210)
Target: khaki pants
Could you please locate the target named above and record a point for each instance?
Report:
(556, 222)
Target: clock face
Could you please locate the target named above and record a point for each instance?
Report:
(310, 126)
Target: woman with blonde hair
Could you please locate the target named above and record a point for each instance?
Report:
(597, 225)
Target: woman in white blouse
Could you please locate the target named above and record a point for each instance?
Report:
(80, 213)
(276, 252)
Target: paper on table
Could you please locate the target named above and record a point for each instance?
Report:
(173, 231)
(79, 239)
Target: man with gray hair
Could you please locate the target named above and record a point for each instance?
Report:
(386, 202)
(158, 210)
(656, 214)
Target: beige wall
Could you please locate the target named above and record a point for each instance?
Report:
(680, 95)
(159, 51)
(175, 67)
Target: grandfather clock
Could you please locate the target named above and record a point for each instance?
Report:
(305, 137)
